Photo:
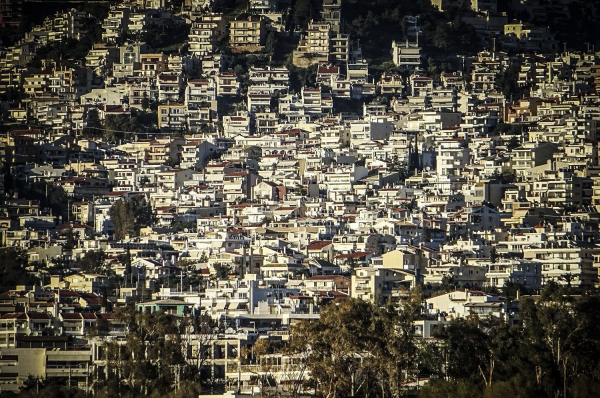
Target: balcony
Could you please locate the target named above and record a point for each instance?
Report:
(64, 371)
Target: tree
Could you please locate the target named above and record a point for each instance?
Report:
(271, 43)
(456, 36)
(301, 77)
(93, 261)
(503, 177)
(145, 102)
(171, 162)
(506, 82)
(493, 255)
(339, 347)
(93, 126)
(47, 388)
(180, 226)
(303, 12)
(554, 352)
(261, 355)
(395, 355)
(222, 271)
(410, 206)
(203, 328)
(128, 216)
(441, 37)
(70, 239)
(13, 263)
(356, 347)
(49, 195)
(426, 235)
(122, 219)
(151, 361)
(466, 348)
(117, 126)
(513, 143)
(351, 263)
(562, 334)
(447, 389)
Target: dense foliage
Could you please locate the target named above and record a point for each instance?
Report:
(359, 349)
(128, 216)
(156, 360)
(13, 263)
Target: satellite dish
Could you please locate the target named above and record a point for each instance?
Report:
(185, 230)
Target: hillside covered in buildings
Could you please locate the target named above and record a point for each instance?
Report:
(299, 198)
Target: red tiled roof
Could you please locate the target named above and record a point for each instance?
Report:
(38, 315)
(74, 316)
(326, 277)
(17, 315)
(354, 255)
(318, 245)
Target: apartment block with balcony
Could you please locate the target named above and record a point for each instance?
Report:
(101, 57)
(339, 45)
(267, 80)
(531, 155)
(530, 37)
(266, 123)
(11, 14)
(205, 34)
(561, 188)
(227, 83)
(152, 65)
(141, 90)
(390, 84)
(172, 116)
(248, 33)
(565, 262)
(406, 55)
(369, 283)
(452, 157)
(115, 24)
(169, 87)
(314, 47)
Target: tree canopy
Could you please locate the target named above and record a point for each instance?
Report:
(128, 216)
(356, 347)
(93, 261)
(13, 262)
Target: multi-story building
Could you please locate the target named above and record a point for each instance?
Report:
(248, 32)
(370, 284)
(406, 55)
(332, 13)
(565, 262)
(227, 83)
(530, 37)
(314, 47)
(205, 34)
(172, 116)
(115, 24)
(201, 100)
(11, 14)
(152, 65)
(169, 86)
